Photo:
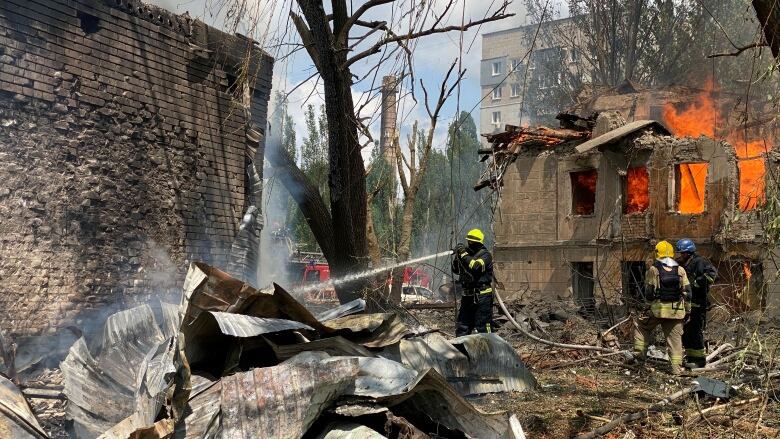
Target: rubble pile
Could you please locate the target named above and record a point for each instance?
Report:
(234, 361)
(507, 145)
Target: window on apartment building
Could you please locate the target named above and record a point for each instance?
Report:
(514, 90)
(633, 274)
(636, 190)
(582, 285)
(574, 54)
(496, 66)
(517, 65)
(583, 192)
(689, 186)
(497, 93)
(496, 119)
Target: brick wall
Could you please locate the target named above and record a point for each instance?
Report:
(122, 156)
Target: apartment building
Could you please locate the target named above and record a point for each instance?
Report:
(528, 74)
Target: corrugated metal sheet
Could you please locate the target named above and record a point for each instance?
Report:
(352, 307)
(381, 377)
(348, 430)
(110, 380)
(371, 330)
(335, 346)
(202, 414)
(282, 401)
(433, 397)
(619, 133)
(16, 418)
(494, 366)
(489, 365)
(239, 325)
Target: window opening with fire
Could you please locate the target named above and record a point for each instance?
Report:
(636, 190)
(583, 192)
(690, 182)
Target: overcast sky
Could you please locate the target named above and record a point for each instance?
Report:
(432, 56)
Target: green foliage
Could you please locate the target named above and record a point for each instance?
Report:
(385, 209)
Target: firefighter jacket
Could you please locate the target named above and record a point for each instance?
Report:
(666, 291)
(474, 268)
(702, 274)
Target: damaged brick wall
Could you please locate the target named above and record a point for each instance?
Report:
(123, 156)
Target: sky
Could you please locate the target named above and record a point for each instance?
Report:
(432, 57)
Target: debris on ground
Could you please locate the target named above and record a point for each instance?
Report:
(232, 360)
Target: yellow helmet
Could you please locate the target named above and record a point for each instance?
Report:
(664, 250)
(475, 235)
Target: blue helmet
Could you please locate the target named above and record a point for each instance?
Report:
(685, 245)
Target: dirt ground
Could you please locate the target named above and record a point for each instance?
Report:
(576, 398)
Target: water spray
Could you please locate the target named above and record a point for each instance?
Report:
(366, 273)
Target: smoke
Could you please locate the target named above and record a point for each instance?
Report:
(276, 237)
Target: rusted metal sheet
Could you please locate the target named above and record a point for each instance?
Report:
(16, 418)
(494, 366)
(282, 401)
(120, 373)
(371, 330)
(209, 289)
(433, 351)
(619, 133)
(382, 377)
(335, 346)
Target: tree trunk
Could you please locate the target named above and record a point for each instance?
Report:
(371, 239)
(404, 245)
(346, 177)
(768, 13)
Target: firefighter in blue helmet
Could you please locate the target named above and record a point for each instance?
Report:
(701, 274)
(473, 264)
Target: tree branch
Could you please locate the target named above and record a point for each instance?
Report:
(307, 38)
(392, 38)
(739, 50)
(306, 196)
(343, 31)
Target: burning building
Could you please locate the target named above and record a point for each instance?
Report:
(581, 208)
(125, 148)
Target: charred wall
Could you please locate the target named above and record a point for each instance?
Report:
(542, 242)
(123, 155)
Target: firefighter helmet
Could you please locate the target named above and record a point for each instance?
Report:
(685, 245)
(475, 235)
(664, 250)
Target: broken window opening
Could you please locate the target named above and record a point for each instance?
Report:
(583, 192)
(582, 285)
(633, 273)
(690, 181)
(752, 187)
(636, 190)
(89, 23)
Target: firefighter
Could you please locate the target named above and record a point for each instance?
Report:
(473, 264)
(701, 274)
(667, 292)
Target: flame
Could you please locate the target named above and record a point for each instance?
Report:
(746, 270)
(690, 195)
(700, 118)
(584, 183)
(637, 190)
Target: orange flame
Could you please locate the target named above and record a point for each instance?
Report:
(700, 118)
(584, 188)
(690, 195)
(746, 270)
(637, 190)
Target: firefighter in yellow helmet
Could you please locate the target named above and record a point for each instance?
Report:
(473, 264)
(668, 294)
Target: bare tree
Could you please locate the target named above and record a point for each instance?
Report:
(420, 143)
(328, 39)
